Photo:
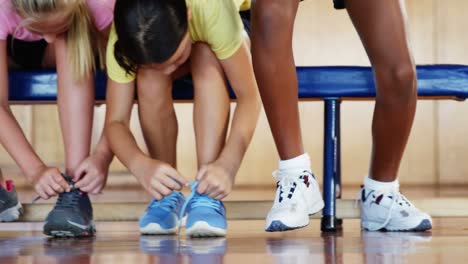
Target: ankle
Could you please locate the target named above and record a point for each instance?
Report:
(301, 162)
(381, 186)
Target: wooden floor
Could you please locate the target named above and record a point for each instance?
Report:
(246, 242)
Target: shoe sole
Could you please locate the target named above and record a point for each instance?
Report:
(11, 214)
(203, 229)
(278, 226)
(423, 226)
(317, 207)
(156, 229)
(61, 229)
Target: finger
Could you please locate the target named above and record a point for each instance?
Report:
(87, 188)
(84, 182)
(170, 183)
(57, 188)
(97, 190)
(48, 190)
(212, 189)
(218, 195)
(41, 193)
(58, 178)
(156, 195)
(201, 173)
(80, 171)
(96, 187)
(175, 174)
(92, 186)
(202, 187)
(160, 188)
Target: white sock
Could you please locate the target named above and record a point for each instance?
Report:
(381, 186)
(300, 162)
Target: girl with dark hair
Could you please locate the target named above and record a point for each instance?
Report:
(149, 46)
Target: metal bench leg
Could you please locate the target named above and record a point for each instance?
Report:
(338, 190)
(329, 164)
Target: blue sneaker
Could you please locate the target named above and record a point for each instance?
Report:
(206, 217)
(162, 217)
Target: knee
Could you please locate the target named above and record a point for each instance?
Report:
(160, 103)
(202, 52)
(272, 17)
(204, 62)
(396, 85)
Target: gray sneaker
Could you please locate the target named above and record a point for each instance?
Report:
(10, 207)
(72, 215)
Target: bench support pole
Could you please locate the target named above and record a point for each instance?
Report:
(331, 164)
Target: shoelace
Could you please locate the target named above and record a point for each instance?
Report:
(285, 183)
(70, 183)
(397, 198)
(168, 202)
(193, 192)
(197, 200)
(68, 199)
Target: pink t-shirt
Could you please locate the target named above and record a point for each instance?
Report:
(101, 10)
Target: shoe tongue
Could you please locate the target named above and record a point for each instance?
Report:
(291, 174)
(163, 203)
(389, 191)
(68, 199)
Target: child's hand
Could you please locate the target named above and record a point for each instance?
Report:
(49, 182)
(159, 178)
(215, 181)
(91, 175)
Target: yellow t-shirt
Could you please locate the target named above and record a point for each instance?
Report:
(215, 22)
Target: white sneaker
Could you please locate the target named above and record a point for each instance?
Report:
(297, 197)
(391, 211)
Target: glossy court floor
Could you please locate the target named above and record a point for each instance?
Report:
(246, 242)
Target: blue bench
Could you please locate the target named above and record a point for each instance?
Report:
(330, 84)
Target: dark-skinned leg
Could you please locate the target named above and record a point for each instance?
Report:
(272, 54)
(382, 28)
(272, 29)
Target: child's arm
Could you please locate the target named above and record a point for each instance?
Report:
(156, 177)
(76, 107)
(47, 180)
(216, 179)
(94, 170)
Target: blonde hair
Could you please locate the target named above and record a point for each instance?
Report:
(83, 39)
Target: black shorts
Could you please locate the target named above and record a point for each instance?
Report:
(245, 16)
(26, 54)
(338, 4)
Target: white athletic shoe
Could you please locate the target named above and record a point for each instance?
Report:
(390, 211)
(297, 197)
